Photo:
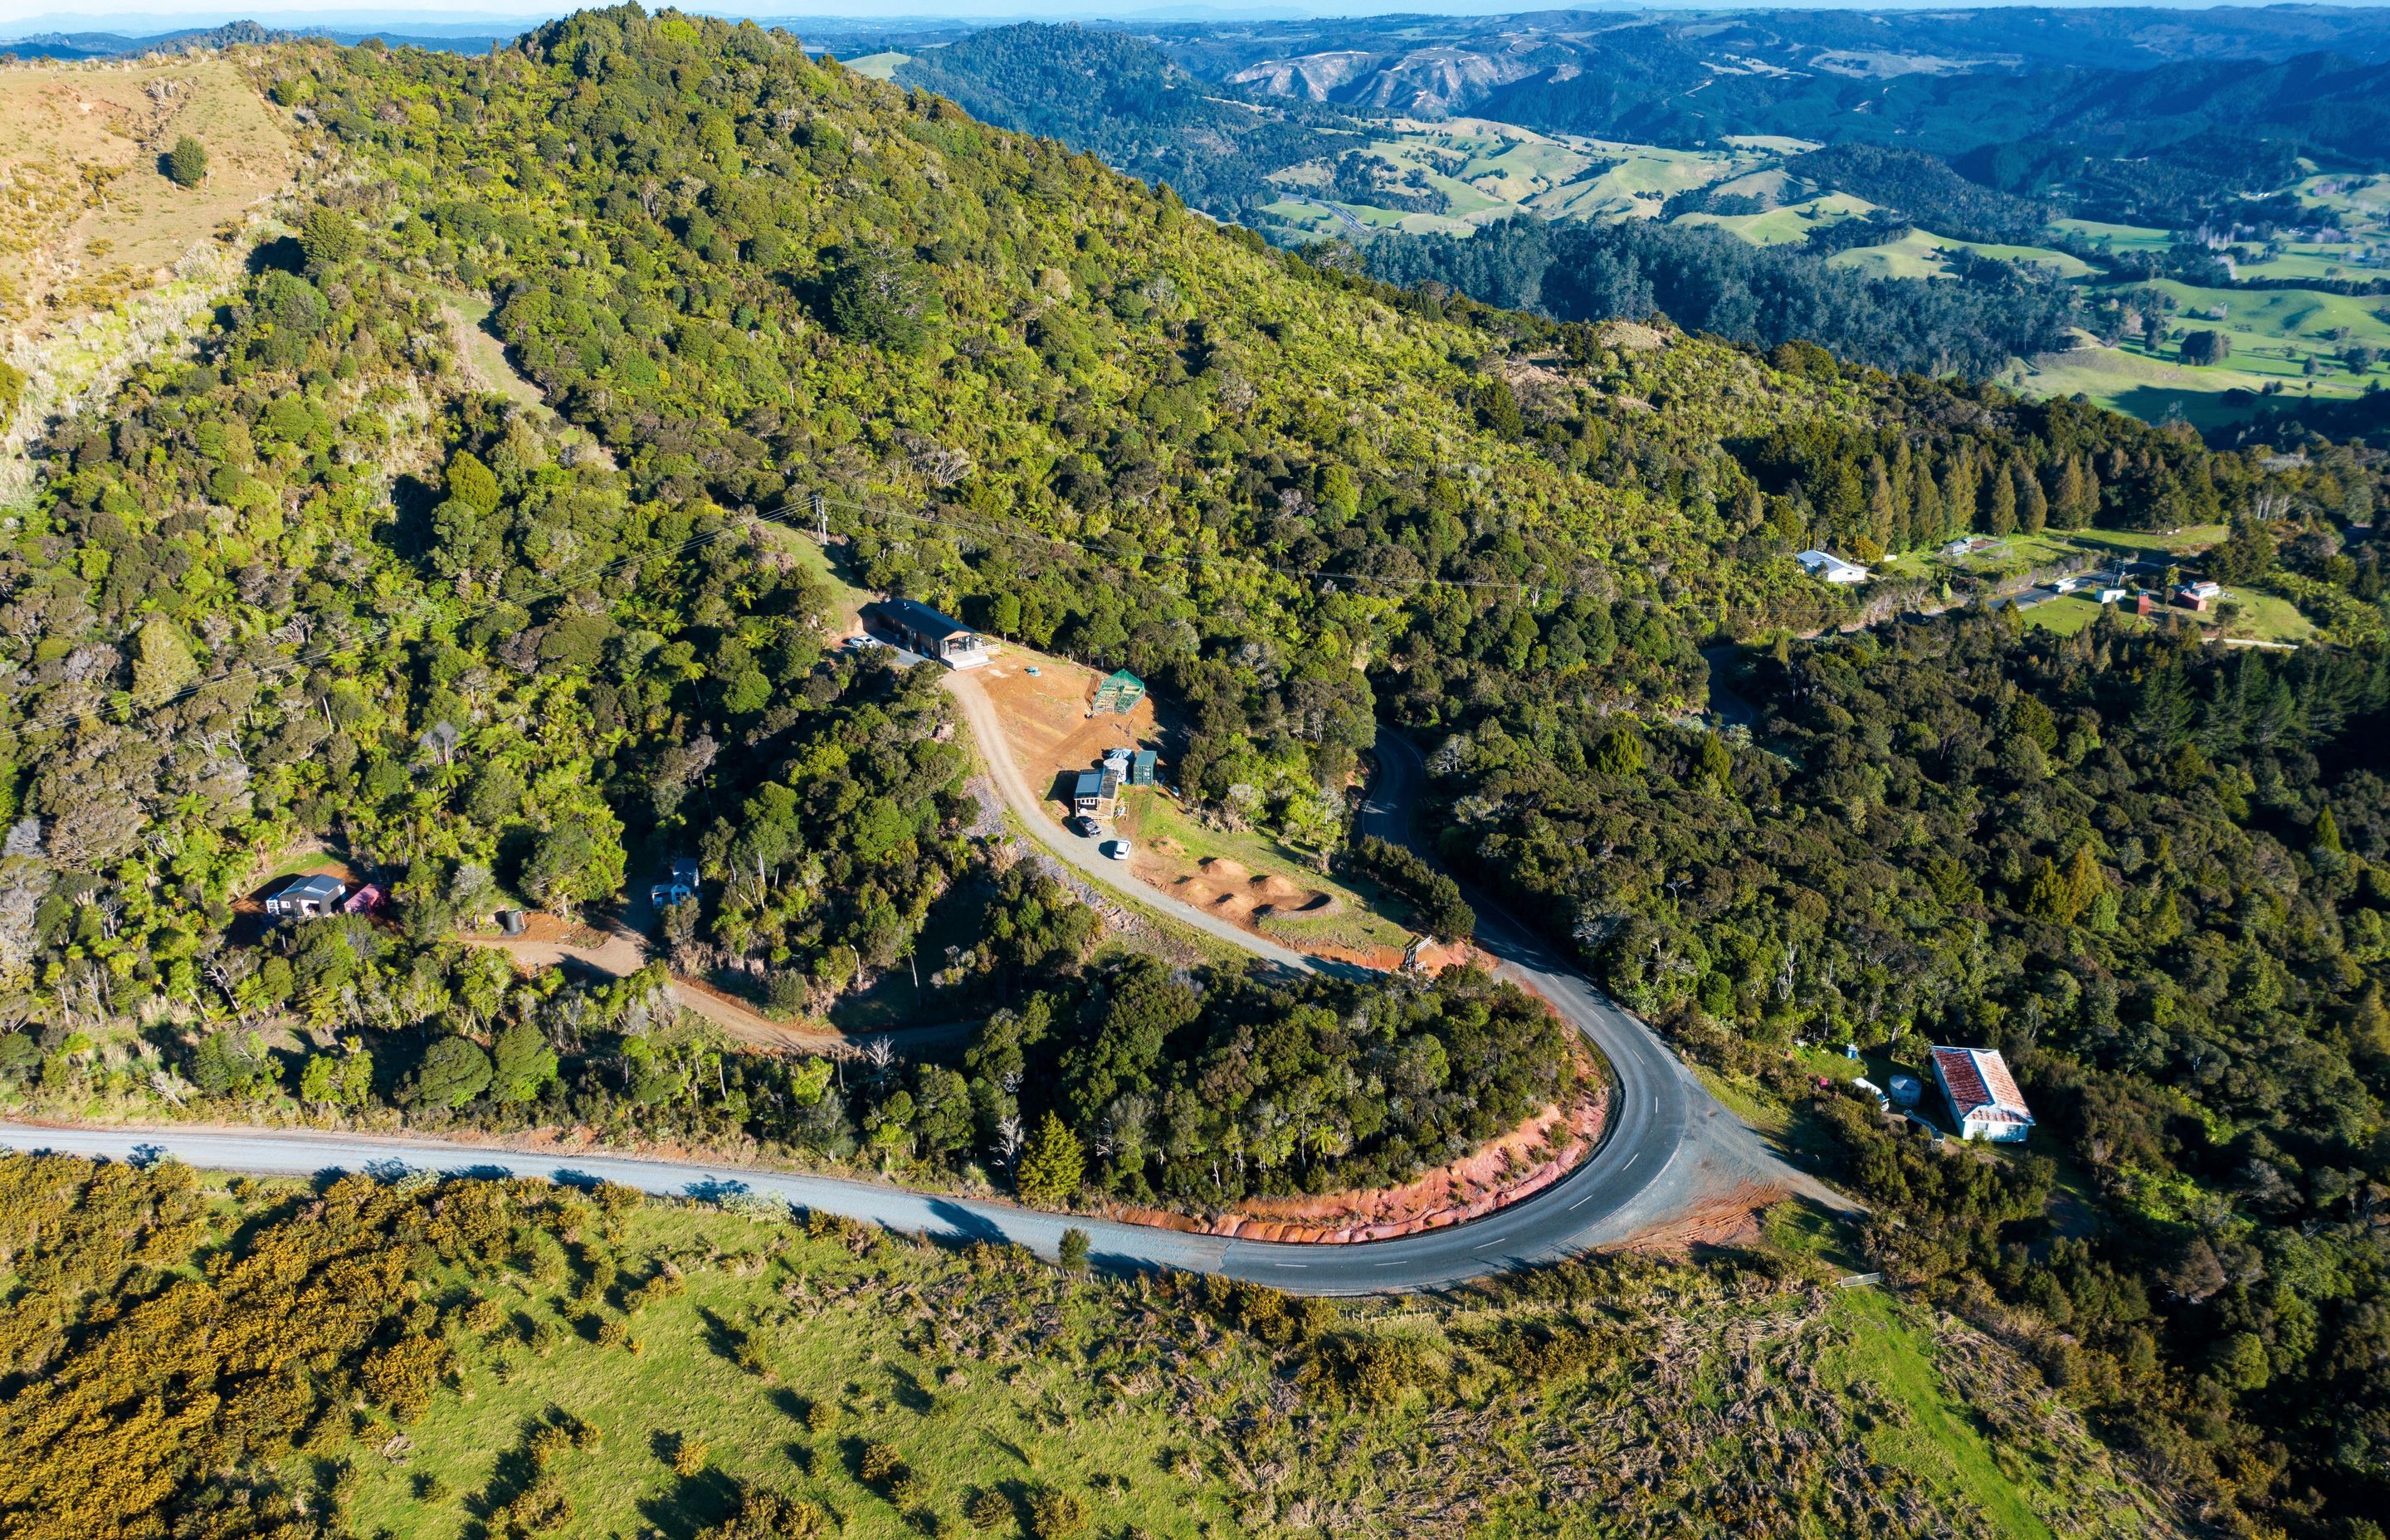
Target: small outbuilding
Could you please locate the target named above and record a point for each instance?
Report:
(1118, 693)
(1906, 1090)
(306, 897)
(1141, 769)
(924, 630)
(1088, 793)
(1985, 1101)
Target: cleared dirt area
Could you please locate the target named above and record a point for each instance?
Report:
(1046, 720)
(1226, 888)
(86, 216)
(1242, 877)
(618, 951)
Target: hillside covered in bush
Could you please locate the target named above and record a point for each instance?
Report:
(309, 588)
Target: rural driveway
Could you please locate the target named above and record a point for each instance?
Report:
(1080, 855)
(622, 951)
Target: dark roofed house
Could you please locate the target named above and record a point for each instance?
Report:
(1984, 1098)
(1088, 792)
(678, 883)
(306, 897)
(925, 631)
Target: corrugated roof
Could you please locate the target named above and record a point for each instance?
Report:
(918, 616)
(1979, 1085)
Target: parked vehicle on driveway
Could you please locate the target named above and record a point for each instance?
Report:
(1116, 849)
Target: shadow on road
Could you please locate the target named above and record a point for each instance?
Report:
(961, 1225)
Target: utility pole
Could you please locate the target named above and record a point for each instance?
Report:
(821, 518)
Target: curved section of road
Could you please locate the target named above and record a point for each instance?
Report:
(1670, 1150)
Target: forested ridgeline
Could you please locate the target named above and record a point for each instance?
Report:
(1710, 280)
(514, 1359)
(1121, 98)
(2156, 875)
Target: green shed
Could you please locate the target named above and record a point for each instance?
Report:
(1119, 693)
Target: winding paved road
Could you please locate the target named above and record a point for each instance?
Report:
(1670, 1152)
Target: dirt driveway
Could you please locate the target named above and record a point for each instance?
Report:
(617, 950)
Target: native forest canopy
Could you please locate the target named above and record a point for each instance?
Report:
(485, 517)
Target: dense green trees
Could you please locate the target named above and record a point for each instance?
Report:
(304, 586)
(1708, 280)
(2129, 860)
(1204, 1091)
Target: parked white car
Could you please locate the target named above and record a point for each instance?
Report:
(1116, 849)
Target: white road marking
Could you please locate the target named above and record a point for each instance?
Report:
(1482, 1244)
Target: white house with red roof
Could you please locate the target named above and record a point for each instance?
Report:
(1984, 1098)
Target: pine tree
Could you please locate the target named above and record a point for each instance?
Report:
(2076, 496)
(2001, 507)
(1879, 515)
(1959, 494)
(1925, 515)
(1053, 1164)
(2033, 503)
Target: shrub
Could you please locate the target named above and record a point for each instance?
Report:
(1075, 1247)
(186, 165)
(688, 1457)
(769, 1516)
(1056, 1515)
(1368, 1371)
(880, 1464)
(988, 1509)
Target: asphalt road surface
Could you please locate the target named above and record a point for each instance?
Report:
(1670, 1151)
